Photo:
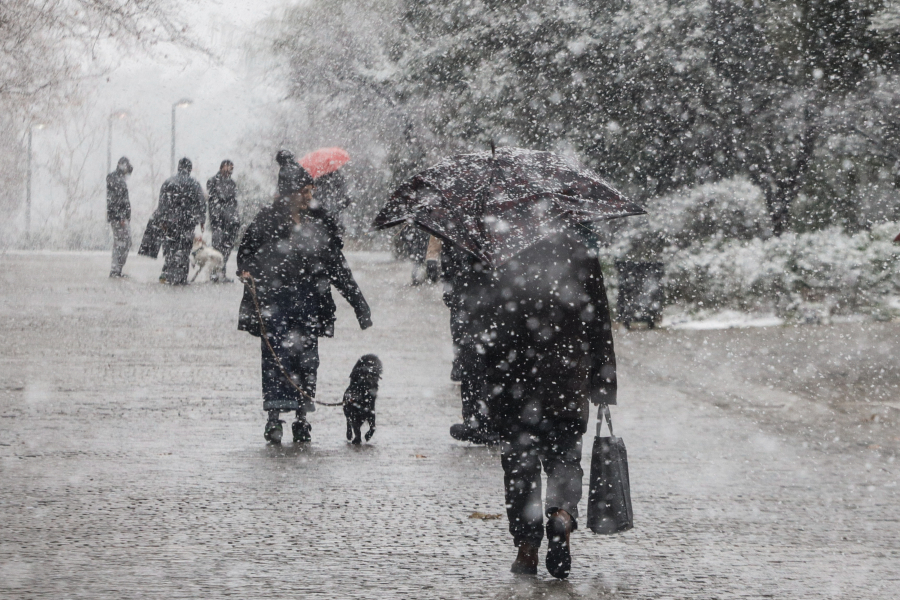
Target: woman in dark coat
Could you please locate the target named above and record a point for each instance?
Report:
(541, 328)
(294, 254)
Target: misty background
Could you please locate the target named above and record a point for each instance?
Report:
(761, 136)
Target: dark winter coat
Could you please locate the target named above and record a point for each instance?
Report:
(118, 208)
(541, 323)
(181, 206)
(331, 193)
(223, 207)
(294, 267)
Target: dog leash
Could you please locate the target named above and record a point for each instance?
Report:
(262, 330)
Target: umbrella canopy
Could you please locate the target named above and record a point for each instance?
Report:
(324, 160)
(495, 205)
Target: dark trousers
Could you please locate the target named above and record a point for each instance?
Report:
(470, 370)
(223, 236)
(298, 352)
(555, 446)
(121, 231)
(177, 252)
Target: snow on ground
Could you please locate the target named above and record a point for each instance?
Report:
(725, 319)
(132, 463)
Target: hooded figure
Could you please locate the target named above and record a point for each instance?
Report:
(294, 254)
(118, 214)
(181, 208)
(539, 326)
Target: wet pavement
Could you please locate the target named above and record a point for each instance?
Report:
(132, 463)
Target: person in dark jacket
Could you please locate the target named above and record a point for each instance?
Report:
(293, 253)
(181, 208)
(331, 193)
(118, 214)
(223, 214)
(540, 325)
(468, 364)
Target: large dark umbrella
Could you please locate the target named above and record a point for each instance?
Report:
(496, 204)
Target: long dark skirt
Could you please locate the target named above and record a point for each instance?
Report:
(298, 351)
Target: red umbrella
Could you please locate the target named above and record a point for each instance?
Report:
(897, 239)
(324, 160)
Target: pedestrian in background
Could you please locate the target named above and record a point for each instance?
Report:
(293, 252)
(181, 208)
(331, 193)
(118, 214)
(223, 215)
(468, 364)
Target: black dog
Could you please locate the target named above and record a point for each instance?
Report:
(359, 399)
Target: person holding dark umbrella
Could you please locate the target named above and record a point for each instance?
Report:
(530, 297)
(289, 257)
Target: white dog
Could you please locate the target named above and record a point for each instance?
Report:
(204, 256)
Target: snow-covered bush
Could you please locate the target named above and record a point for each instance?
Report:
(828, 268)
(731, 209)
(719, 254)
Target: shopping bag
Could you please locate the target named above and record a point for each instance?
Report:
(609, 497)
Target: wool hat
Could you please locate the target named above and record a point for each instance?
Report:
(284, 156)
(291, 177)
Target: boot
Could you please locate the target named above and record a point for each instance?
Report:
(301, 428)
(526, 562)
(559, 556)
(462, 432)
(273, 431)
(474, 433)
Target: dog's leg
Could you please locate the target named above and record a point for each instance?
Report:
(357, 434)
(371, 430)
(349, 430)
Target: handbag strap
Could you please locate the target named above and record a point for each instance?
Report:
(603, 412)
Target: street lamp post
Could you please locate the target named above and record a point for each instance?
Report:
(31, 128)
(119, 114)
(182, 102)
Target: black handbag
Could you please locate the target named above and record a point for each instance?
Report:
(609, 497)
(153, 237)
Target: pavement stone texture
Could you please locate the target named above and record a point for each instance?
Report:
(132, 463)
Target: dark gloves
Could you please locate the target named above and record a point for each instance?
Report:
(433, 270)
(365, 320)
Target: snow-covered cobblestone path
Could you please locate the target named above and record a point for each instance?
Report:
(132, 465)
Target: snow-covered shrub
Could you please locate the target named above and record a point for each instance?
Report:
(719, 254)
(728, 209)
(827, 268)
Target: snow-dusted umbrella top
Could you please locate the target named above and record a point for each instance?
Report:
(495, 205)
